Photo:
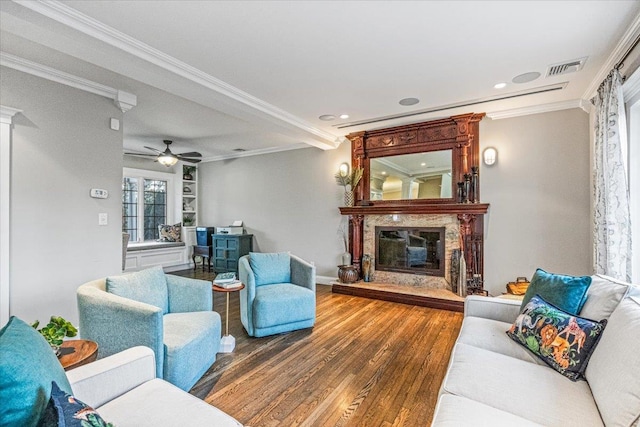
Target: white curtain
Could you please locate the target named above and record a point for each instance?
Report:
(612, 222)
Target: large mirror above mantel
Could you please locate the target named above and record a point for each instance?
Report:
(411, 176)
(419, 163)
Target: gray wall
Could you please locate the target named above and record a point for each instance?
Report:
(539, 191)
(62, 147)
(288, 200)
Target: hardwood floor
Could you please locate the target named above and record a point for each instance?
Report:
(365, 363)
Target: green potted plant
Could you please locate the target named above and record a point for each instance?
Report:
(55, 331)
(187, 172)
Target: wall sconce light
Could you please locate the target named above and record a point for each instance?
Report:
(490, 156)
(344, 170)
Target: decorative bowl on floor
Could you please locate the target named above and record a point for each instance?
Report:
(348, 273)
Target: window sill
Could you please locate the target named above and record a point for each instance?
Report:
(144, 246)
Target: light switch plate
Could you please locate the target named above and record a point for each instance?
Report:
(103, 219)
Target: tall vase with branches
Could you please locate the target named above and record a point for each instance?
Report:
(349, 181)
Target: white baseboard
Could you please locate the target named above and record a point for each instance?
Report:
(325, 280)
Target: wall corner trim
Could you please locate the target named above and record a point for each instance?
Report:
(7, 113)
(123, 100)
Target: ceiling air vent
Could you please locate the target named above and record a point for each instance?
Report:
(566, 67)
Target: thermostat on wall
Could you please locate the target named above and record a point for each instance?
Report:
(98, 193)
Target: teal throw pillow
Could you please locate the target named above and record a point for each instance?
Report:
(148, 286)
(27, 367)
(563, 341)
(270, 268)
(568, 293)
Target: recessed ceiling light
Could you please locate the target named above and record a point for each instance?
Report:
(344, 116)
(500, 85)
(327, 117)
(409, 101)
(423, 164)
(526, 77)
(383, 173)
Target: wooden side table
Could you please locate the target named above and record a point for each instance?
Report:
(228, 342)
(74, 353)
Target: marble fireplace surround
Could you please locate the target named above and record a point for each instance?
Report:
(460, 220)
(452, 241)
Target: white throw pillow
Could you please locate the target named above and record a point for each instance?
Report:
(613, 371)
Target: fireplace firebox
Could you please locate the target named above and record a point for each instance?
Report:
(414, 250)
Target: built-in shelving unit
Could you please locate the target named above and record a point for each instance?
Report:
(189, 208)
(189, 196)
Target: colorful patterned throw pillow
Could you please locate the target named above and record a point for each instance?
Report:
(170, 233)
(563, 341)
(66, 410)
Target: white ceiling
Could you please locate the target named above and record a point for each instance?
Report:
(219, 75)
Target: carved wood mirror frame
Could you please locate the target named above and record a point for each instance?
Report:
(457, 133)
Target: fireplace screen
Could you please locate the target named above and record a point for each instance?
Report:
(415, 250)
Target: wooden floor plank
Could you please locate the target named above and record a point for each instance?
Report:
(366, 362)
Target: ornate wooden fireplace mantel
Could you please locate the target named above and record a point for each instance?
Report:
(459, 134)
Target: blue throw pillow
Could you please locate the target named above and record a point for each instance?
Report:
(64, 410)
(563, 341)
(270, 268)
(568, 293)
(27, 367)
(148, 286)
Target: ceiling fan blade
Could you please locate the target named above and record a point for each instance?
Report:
(142, 154)
(154, 149)
(190, 154)
(184, 159)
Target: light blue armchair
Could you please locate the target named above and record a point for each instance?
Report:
(172, 315)
(279, 294)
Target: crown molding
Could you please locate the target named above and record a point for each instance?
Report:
(627, 40)
(255, 152)
(542, 108)
(123, 100)
(7, 113)
(74, 19)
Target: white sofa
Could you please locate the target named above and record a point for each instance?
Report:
(123, 388)
(494, 381)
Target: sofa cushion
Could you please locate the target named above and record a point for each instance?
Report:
(563, 341)
(456, 411)
(489, 335)
(614, 371)
(191, 341)
(160, 404)
(568, 293)
(604, 295)
(530, 391)
(27, 367)
(270, 268)
(147, 286)
(282, 303)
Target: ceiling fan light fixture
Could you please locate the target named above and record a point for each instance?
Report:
(167, 159)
